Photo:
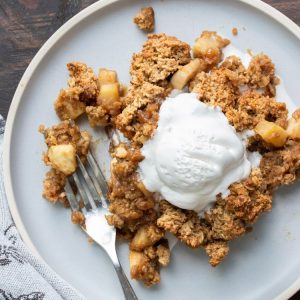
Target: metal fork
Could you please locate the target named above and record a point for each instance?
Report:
(92, 189)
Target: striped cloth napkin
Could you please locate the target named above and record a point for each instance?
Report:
(22, 275)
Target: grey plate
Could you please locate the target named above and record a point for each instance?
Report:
(261, 265)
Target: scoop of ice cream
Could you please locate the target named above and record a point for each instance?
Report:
(194, 154)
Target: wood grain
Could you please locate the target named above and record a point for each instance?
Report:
(26, 24)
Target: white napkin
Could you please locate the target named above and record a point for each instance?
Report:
(22, 275)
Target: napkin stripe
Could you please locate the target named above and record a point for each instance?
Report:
(2, 125)
(23, 276)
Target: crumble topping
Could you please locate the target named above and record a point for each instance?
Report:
(97, 116)
(139, 118)
(143, 268)
(83, 77)
(184, 224)
(145, 19)
(262, 74)
(64, 134)
(68, 104)
(54, 184)
(77, 217)
(234, 31)
(217, 251)
(160, 57)
(163, 253)
(253, 107)
(215, 88)
(127, 199)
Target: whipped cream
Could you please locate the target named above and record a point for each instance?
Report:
(194, 154)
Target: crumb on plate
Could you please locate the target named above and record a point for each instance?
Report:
(145, 19)
(234, 31)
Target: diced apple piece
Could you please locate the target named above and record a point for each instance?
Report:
(63, 158)
(107, 76)
(186, 73)
(140, 240)
(293, 129)
(109, 98)
(296, 114)
(123, 89)
(142, 188)
(271, 133)
(109, 92)
(121, 151)
(146, 236)
(137, 260)
(208, 46)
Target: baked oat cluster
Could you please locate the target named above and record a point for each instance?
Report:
(246, 97)
(145, 19)
(64, 142)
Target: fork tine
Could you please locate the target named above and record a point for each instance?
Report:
(85, 195)
(98, 173)
(113, 135)
(97, 186)
(102, 189)
(92, 189)
(71, 196)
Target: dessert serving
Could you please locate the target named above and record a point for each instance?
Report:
(203, 145)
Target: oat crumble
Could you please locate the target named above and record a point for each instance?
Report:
(234, 31)
(145, 19)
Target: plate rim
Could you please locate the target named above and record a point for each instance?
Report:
(46, 47)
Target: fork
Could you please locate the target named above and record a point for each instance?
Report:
(92, 189)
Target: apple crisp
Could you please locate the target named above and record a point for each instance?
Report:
(246, 96)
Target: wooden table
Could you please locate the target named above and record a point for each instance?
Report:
(26, 24)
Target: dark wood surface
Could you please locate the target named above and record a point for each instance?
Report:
(26, 24)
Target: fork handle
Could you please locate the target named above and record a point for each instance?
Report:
(128, 291)
(127, 288)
